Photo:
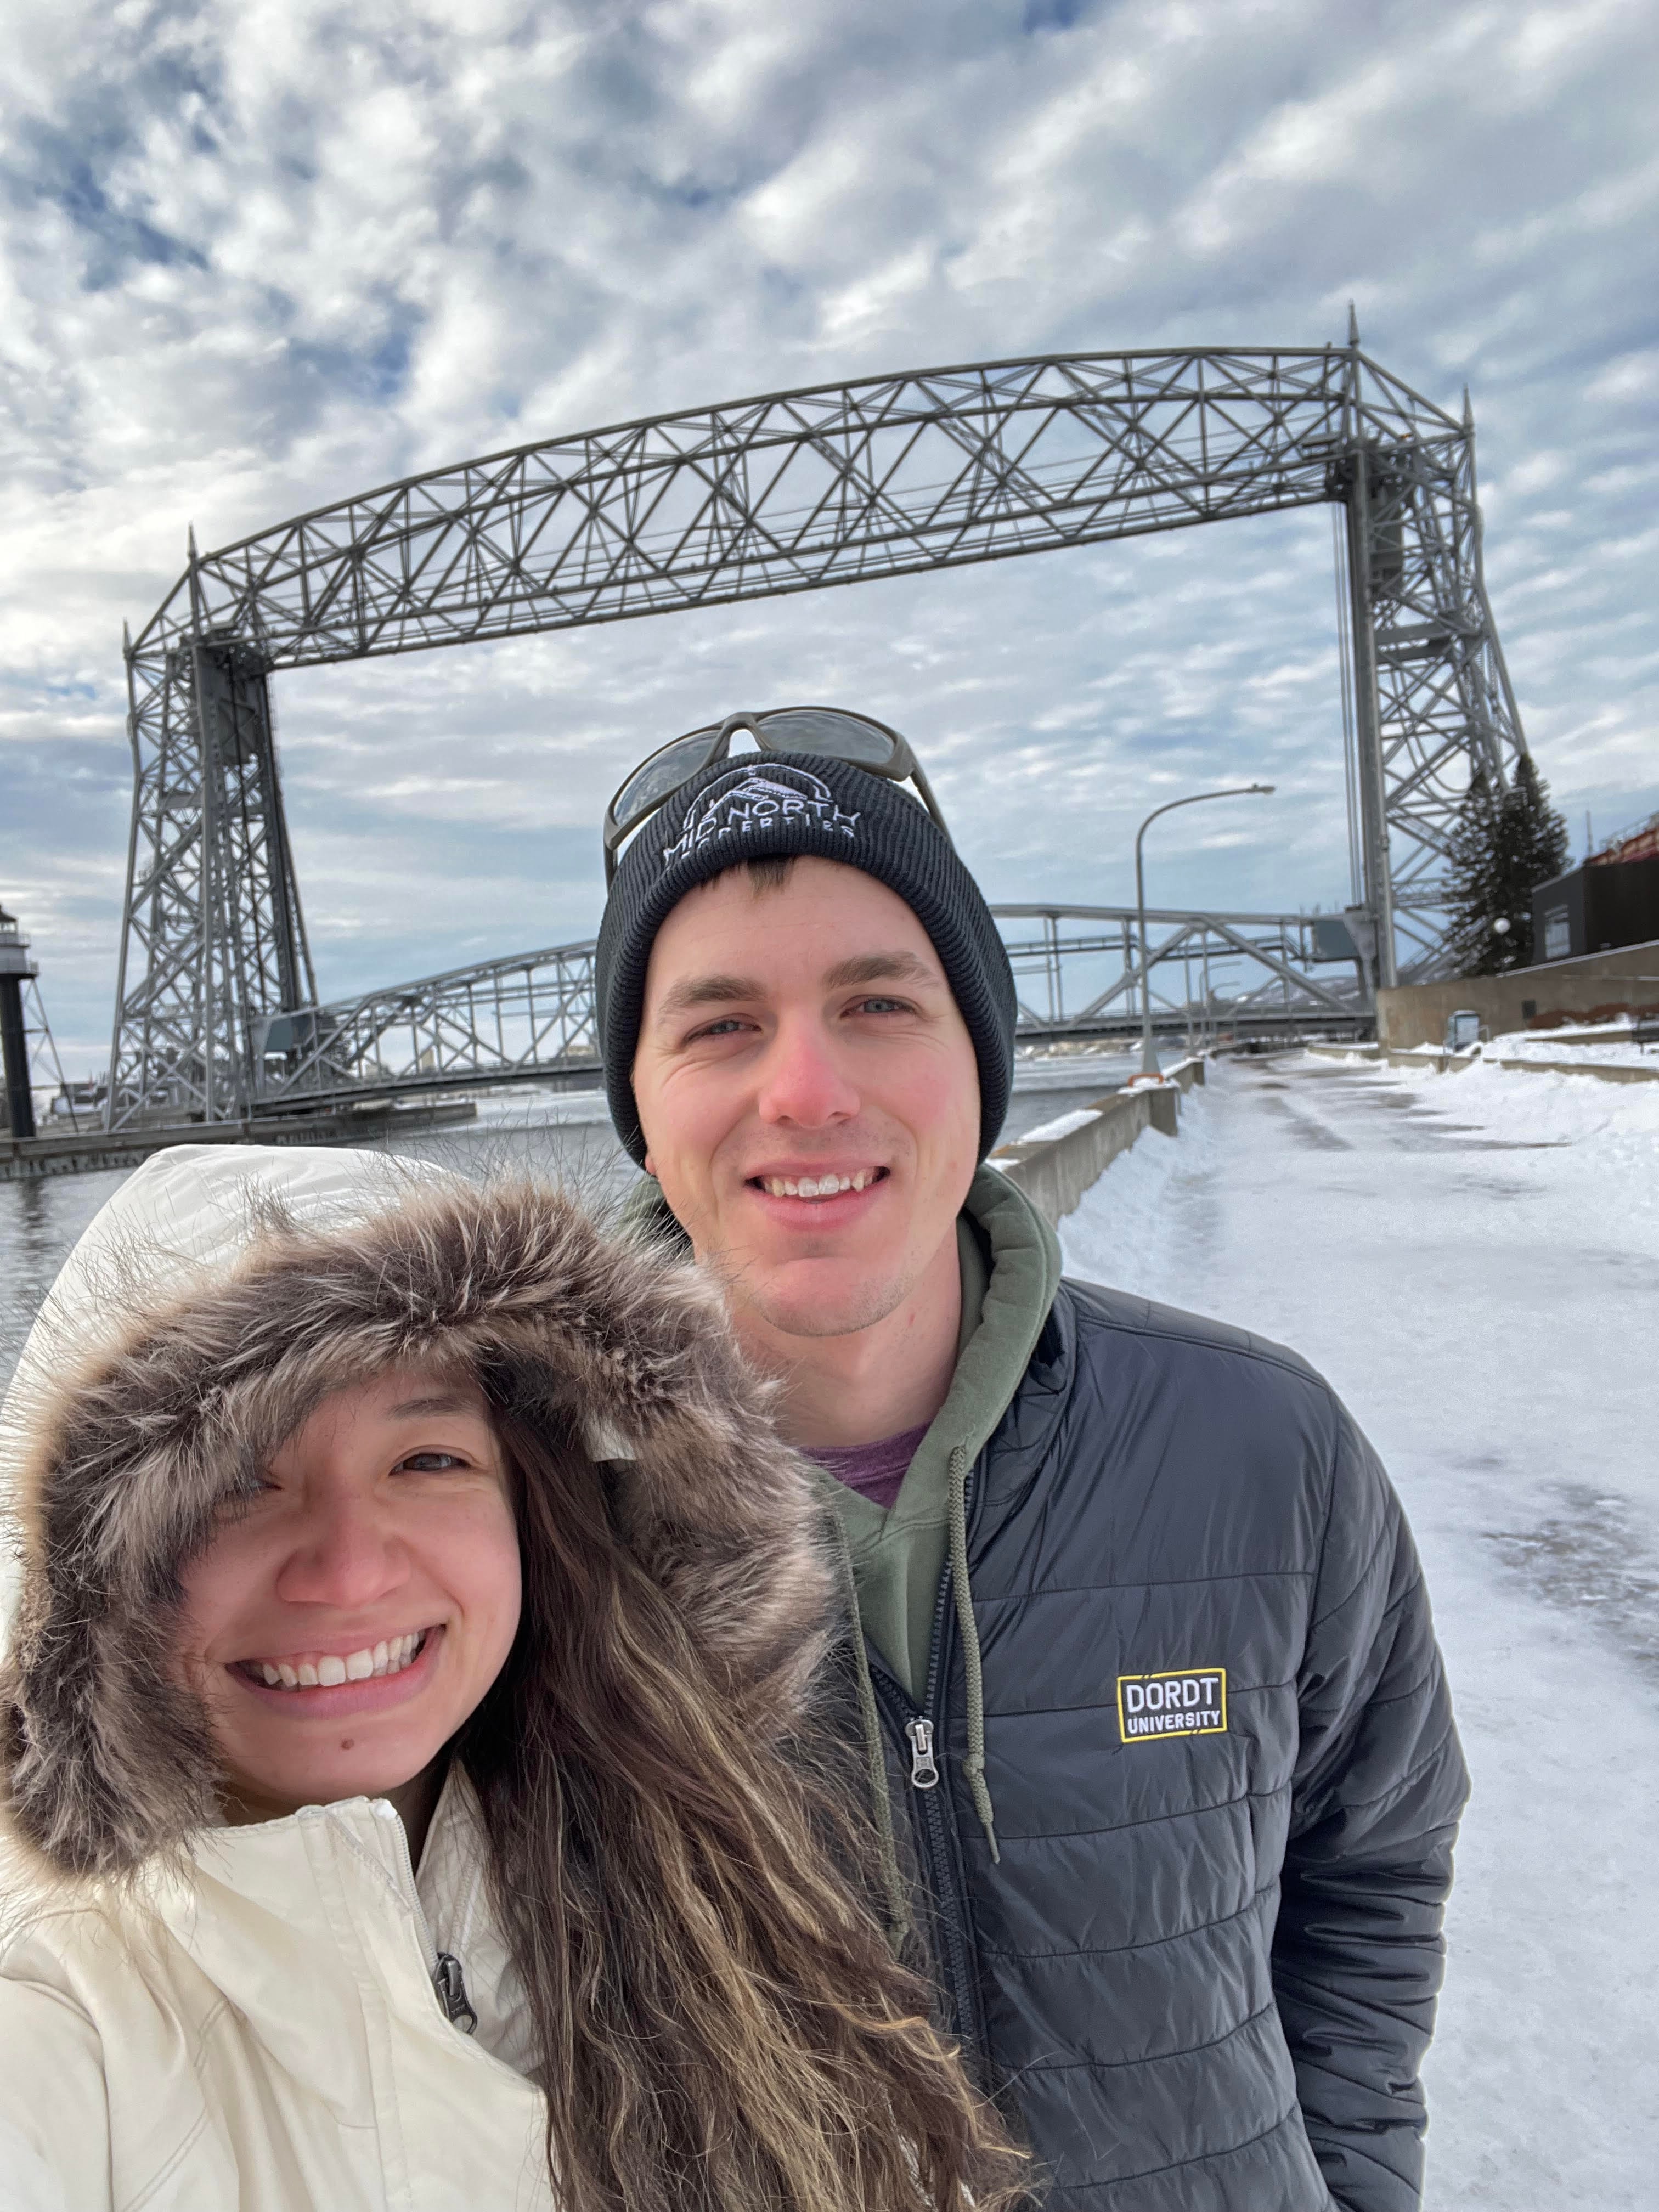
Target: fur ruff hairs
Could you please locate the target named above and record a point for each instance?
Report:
(105, 1761)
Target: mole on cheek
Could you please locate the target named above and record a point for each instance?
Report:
(346, 1743)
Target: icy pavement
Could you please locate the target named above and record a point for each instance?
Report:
(1473, 1260)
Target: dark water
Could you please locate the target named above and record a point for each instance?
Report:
(564, 1139)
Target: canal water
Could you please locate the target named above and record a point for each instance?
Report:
(566, 1137)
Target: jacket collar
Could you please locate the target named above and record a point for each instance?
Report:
(261, 1862)
(1025, 1434)
(286, 1916)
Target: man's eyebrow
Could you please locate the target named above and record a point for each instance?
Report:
(693, 991)
(706, 991)
(881, 968)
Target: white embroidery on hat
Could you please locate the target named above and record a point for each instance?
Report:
(755, 797)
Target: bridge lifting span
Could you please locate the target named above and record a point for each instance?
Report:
(216, 1006)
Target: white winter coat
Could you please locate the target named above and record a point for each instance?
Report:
(265, 2033)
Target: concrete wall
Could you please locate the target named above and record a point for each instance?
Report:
(1056, 1174)
(1417, 1014)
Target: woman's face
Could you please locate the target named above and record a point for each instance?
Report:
(342, 1627)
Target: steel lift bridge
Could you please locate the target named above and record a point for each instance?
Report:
(217, 1017)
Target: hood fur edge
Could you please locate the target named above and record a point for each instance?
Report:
(105, 1762)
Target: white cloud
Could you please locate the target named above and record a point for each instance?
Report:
(253, 258)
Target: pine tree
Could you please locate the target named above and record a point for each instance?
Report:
(1501, 850)
(1535, 835)
(1471, 880)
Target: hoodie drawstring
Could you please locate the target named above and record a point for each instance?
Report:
(974, 1764)
(898, 1901)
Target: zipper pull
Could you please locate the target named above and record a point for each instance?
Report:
(451, 1992)
(924, 1771)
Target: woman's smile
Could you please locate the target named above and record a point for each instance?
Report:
(322, 1685)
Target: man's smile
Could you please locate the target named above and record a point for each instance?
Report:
(816, 1184)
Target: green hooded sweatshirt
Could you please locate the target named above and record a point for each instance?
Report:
(1010, 1273)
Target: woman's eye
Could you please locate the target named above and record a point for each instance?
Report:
(237, 1504)
(429, 1463)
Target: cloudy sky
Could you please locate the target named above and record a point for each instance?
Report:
(257, 256)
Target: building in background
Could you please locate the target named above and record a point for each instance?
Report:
(1611, 901)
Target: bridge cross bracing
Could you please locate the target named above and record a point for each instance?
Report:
(794, 491)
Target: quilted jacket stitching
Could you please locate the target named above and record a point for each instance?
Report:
(1144, 1582)
(1399, 1785)
(1149, 1819)
(1155, 2057)
(1387, 1535)
(1152, 1943)
(1176, 2166)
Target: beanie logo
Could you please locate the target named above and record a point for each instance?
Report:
(753, 798)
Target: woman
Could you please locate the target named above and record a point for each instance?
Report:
(401, 1734)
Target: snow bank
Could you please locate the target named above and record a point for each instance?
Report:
(1117, 1223)
(1611, 1128)
(1607, 1044)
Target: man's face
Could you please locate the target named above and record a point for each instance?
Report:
(808, 1092)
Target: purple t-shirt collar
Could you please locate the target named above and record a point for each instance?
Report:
(875, 1471)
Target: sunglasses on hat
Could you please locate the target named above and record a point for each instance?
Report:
(830, 731)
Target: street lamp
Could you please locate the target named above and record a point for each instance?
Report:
(1148, 1056)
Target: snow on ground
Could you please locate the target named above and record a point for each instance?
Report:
(1474, 1260)
(1619, 1122)
(1609, 1044)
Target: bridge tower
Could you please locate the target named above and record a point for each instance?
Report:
(213, 925)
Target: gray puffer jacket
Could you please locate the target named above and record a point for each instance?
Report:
(1216, 1737)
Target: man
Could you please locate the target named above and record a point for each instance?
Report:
(1150, 1663)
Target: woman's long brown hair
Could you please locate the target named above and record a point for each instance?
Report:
(722, 2027)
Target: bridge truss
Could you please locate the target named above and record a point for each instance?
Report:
(792, 492)
(1247, 973)
(530, 1017)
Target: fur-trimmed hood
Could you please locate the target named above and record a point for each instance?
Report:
(219, 1297)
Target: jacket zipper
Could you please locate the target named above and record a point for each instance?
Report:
(443, 1968)
(921, 1731)
(451, 1992)
(924, 1770)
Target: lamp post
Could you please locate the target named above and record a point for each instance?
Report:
(1148, 1056)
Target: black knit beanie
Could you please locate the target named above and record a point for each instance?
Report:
(760, 805)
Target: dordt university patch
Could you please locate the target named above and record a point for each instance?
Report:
(1180, 1701)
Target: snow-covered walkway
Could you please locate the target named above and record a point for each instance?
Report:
(1473, 1262)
